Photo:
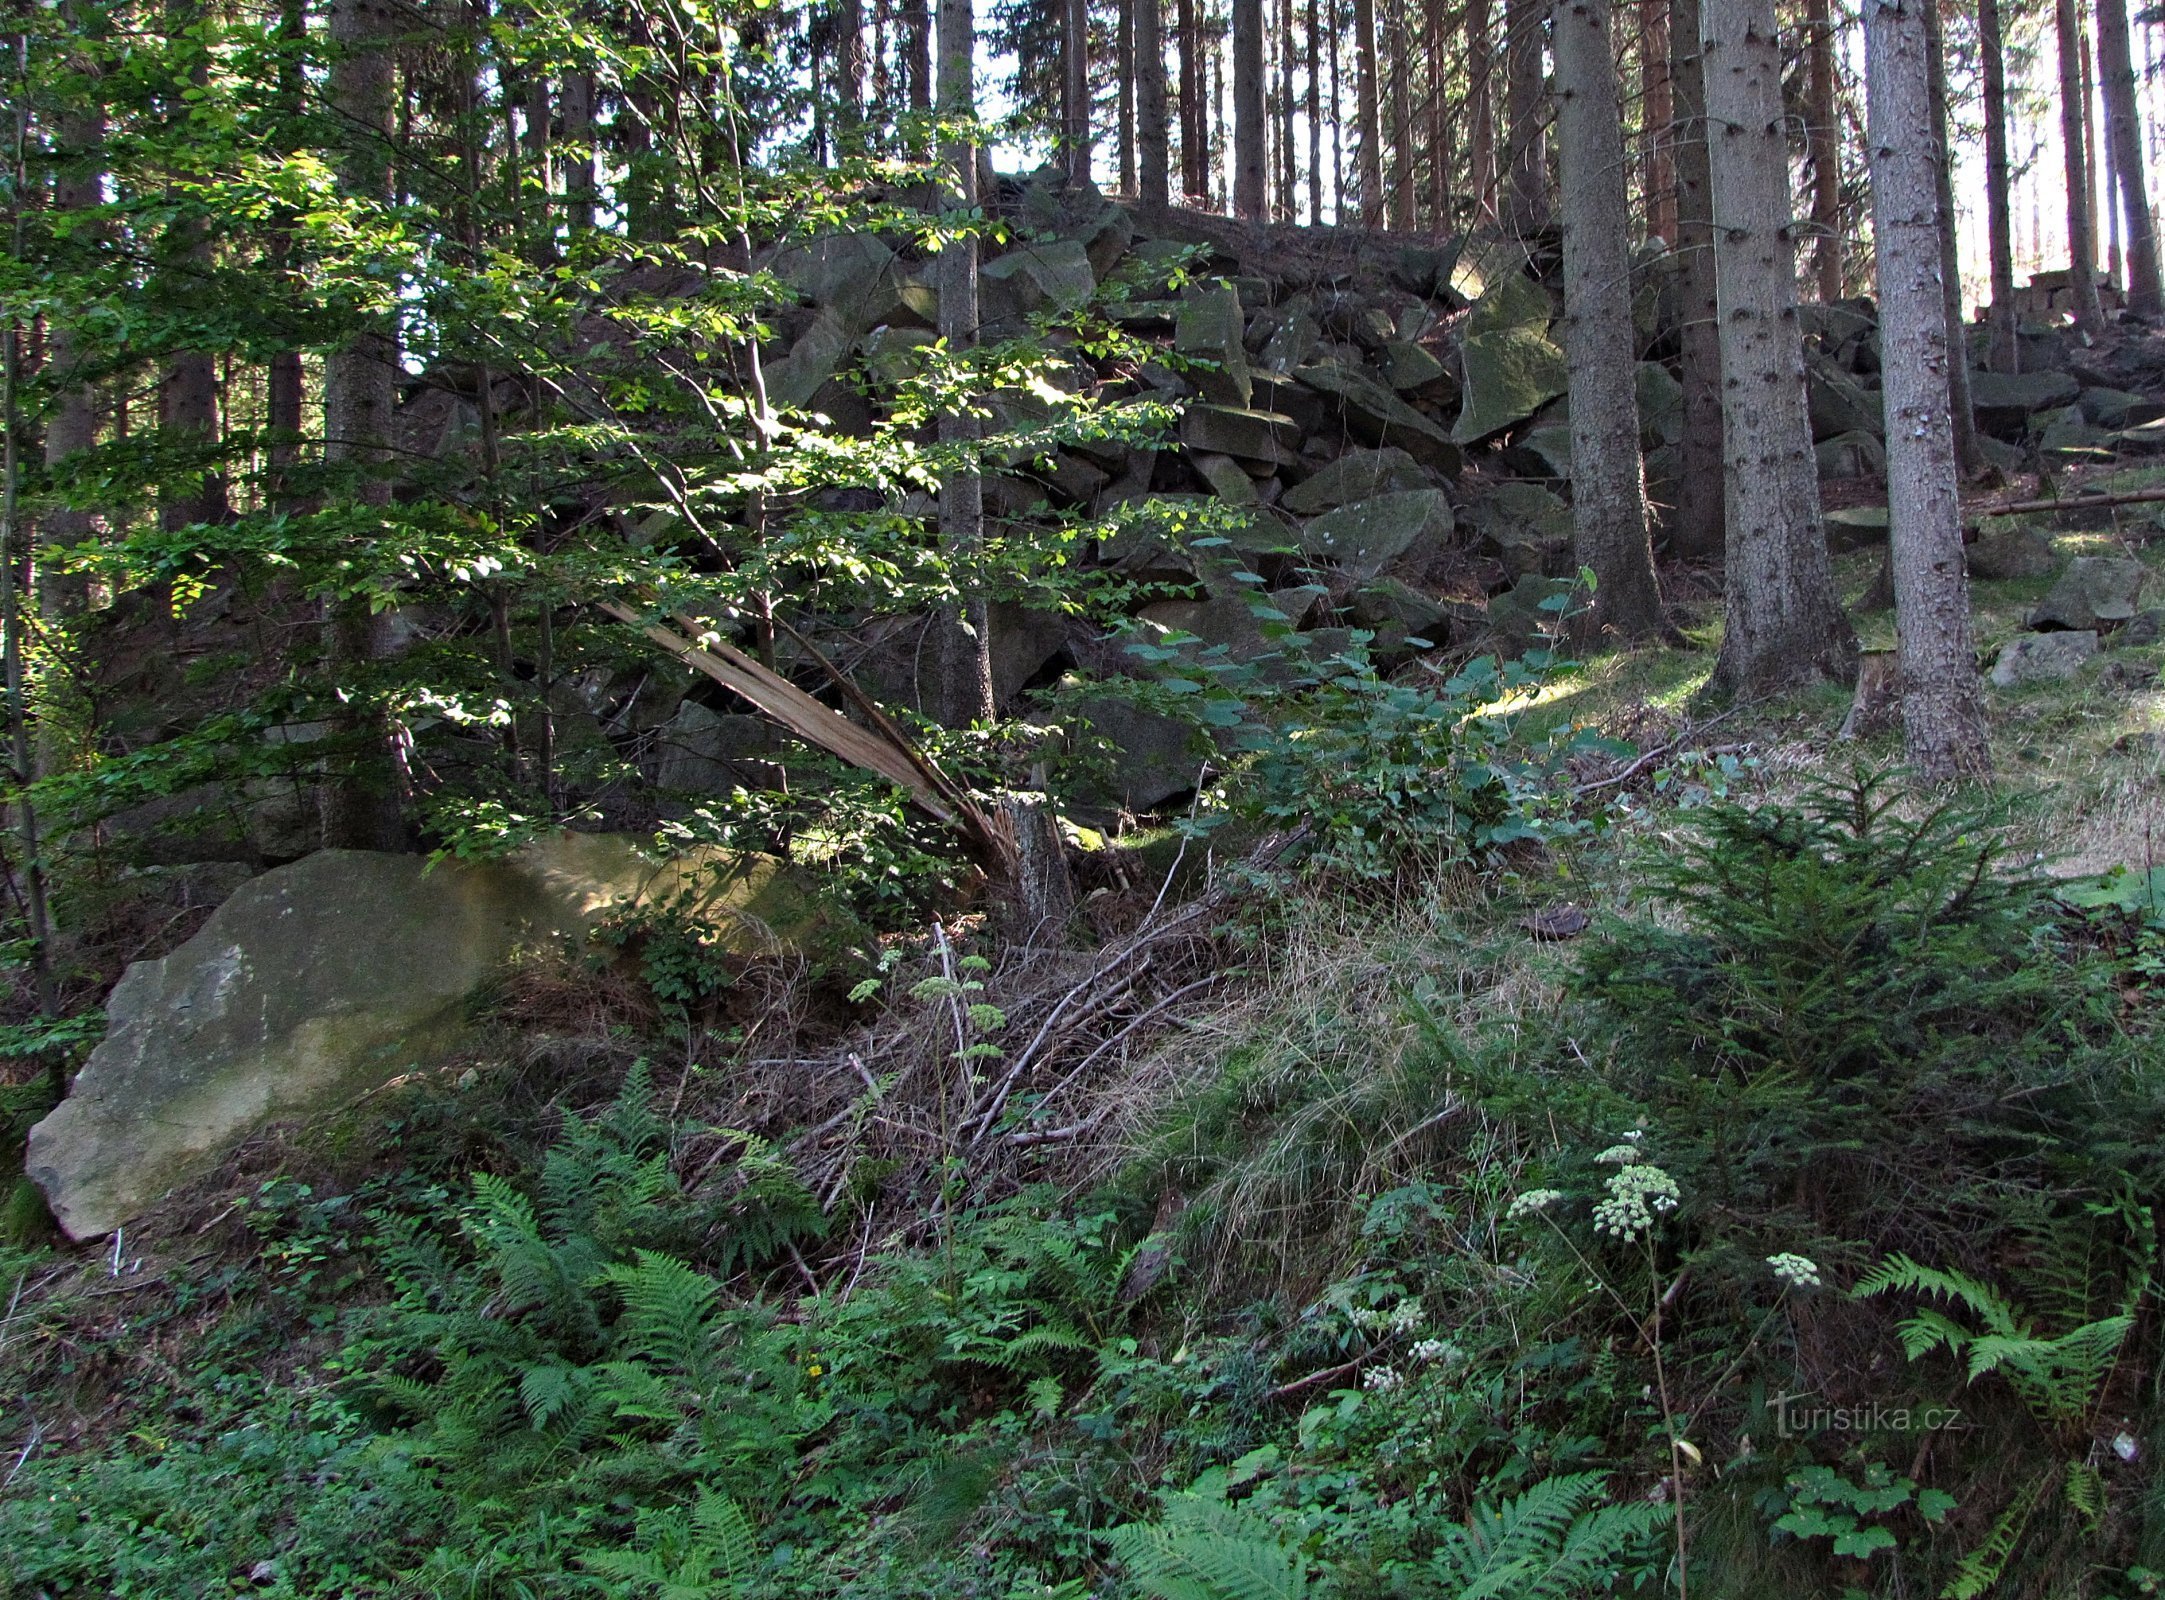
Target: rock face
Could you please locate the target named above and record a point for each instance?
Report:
(2043, 658)
(319, 981)
(2014, 553)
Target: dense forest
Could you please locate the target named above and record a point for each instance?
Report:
(1263, 800)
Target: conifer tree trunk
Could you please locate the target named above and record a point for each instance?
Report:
(1942, 706)
(1400, 55)
(1823, 138)
(1657, 119)
(1369, 112)
(283, 378)
(1969, 447)
(849, 74)
(1481, 108)
(1701, 511)
(1124, 64)
(72, 426)
(1999, 219)
(1250, 184)
(917, 52)
(1608, 479)
(1075, 91)
(1194, 115)
(188, 387)
(2081, 242)
(1288, 149)
(360, 381)
(1784, 627)
(1315, 114)
(2123, 142)
(965, 633)
(1527, 210)
(1441, 158)
(577, 98)
(1151, 134)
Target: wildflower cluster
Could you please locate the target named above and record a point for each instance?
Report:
(1637, 1195)
(1795, 1271)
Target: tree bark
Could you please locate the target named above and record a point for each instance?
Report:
(849, 75)
(1441, 157)
(1943, 722)
(1151, 134)
(72, 426)
(1969, 447)
(1481, 109)
(1124, 64)
(1658, 119)
(360, 810)
(1608, 479)
(917, 52)
(1250, 182)
(1288, 149)
(1999, 219)
(2081, 242)
(1528, 207)
(1400, 55)
(1368, 111)
(188, 387)
(2123, 138)
(965, 633)
(1784, 627)
(576, 99)
(1823, 139)
(1695, 531)
(1194, 114)
(1315, 114)
(1075, 89)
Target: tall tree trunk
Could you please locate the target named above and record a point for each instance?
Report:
(1288, 150)
(1151, 134)
(849, 75)
(1701, 510)
(1608, 479)
(1943, 722)
(1368, 111)
(965, 634)
(188, 387)
(2081, 243)
(1075, 89)
(283, 378)
(1194, 115)
(1250, 184)
(72, 426)
(1784, 626)
(1400, 55)
(1338, 122)
(1124, 64)
(1823, 138)
(2123, 137)
(1528, 208)
(577, 99)
(1440, 155)
(1969, 447)
(1481, 108)
(917, 52)
(359, 393)
(1999, 220)
(1315, 113)
(1658, 119)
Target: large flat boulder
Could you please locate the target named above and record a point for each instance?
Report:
(320, 981)
(1363, 538)
(1374, 414)
(2004, 402)
(1209, 332)
(1356, 475)
(2094, 593)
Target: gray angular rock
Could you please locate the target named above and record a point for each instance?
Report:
(2144, 628)
(2118, 408)
(1048, 275)
(1388, 604)
(1227, 478)
(1379, 417)
(703, 751)
(1412, 369)
(1291, 345)
(322, 980)
(1359, 474)
(1264, 436)
(2011, 553)
(1525, 525)
(1363, 538)
(1661, 404)
(1208, 332)
(2093, 593)
(1837, 402)
(1851, 455)
(2043, 657)
(1507, 376)
(1856, 527)
(851, 272)
(816, 357)
(1154, 757)
(1526, 616)
(2004, 402)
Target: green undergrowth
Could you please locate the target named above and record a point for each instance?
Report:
(1810, 1191)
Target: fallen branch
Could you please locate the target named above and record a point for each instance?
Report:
(2099, 501)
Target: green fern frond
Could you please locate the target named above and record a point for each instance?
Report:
(1185, 1561)
(1976, 1573)
(668, 1311)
